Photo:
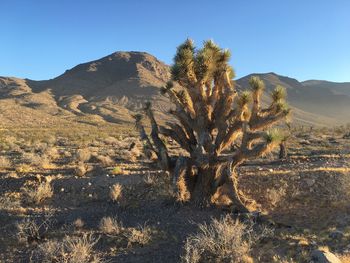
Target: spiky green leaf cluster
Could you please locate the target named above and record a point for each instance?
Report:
(256, 84)
(204, 64)
(274, 136)
(183, 60)
(244, 98)
(279, 94)
(205, 61)
(282, 106)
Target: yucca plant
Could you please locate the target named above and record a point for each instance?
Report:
(209, 117)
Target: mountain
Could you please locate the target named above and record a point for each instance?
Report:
(337, 88)
(112, 88)
(108, 89)
(316, 101)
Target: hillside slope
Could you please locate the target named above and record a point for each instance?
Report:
(114, 87)
(325, 104)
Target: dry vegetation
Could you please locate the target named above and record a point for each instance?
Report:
(223, 240)
(126, 210)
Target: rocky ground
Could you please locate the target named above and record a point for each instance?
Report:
(93, 193)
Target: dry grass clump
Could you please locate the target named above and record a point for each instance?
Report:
(46, 163)
(224, 240)
(149, 179)
(52, 153)
(80, 170)
(83, 155)
(111, 141)
(31, 158)
(130, 155)
(50, 139)
(279, 259)
(4, 162)
(9, 202)
(78, 223)
(275, 195)
(141, 235)
(110, 226)
(24, 168)
(40, 147)
(69, 250)
(30, 230)
(116, 192)
(38, 194)
(36, 160)
(105, 160)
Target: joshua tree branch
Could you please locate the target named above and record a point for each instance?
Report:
(262, 122)
(162, 151)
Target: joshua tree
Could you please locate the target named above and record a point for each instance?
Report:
(283, 152)
(209, 117)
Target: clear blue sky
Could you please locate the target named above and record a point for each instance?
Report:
(305, 39)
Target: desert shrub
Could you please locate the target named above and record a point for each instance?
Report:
(24, 168)
(69, 250)
(130, 156)
(67, 154)
(10, 140)
(29, 230)
(111, 140)
(78, 223)
(5, 162)
(36, 195)
(224, 240)
(141, 235)
(32, 159)
(37, 160)
(275, 195)
(83, 155)
(135, 153)
(50, 140)
(40, 147)
(52, 153)
(110, 152)
(9, 202)
(105, 160)
(116, 192)
(80, 170)
(110, 225)
(149, 179)
(46, 163)
(279, 259)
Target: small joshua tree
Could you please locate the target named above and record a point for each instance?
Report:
(283, 152)
(209, 117)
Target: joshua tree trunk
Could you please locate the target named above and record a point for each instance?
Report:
(203, 189)
(211, 117)
(283, 150)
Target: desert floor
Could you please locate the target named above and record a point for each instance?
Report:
(66, 189)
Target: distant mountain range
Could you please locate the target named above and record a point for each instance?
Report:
(115, 86)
